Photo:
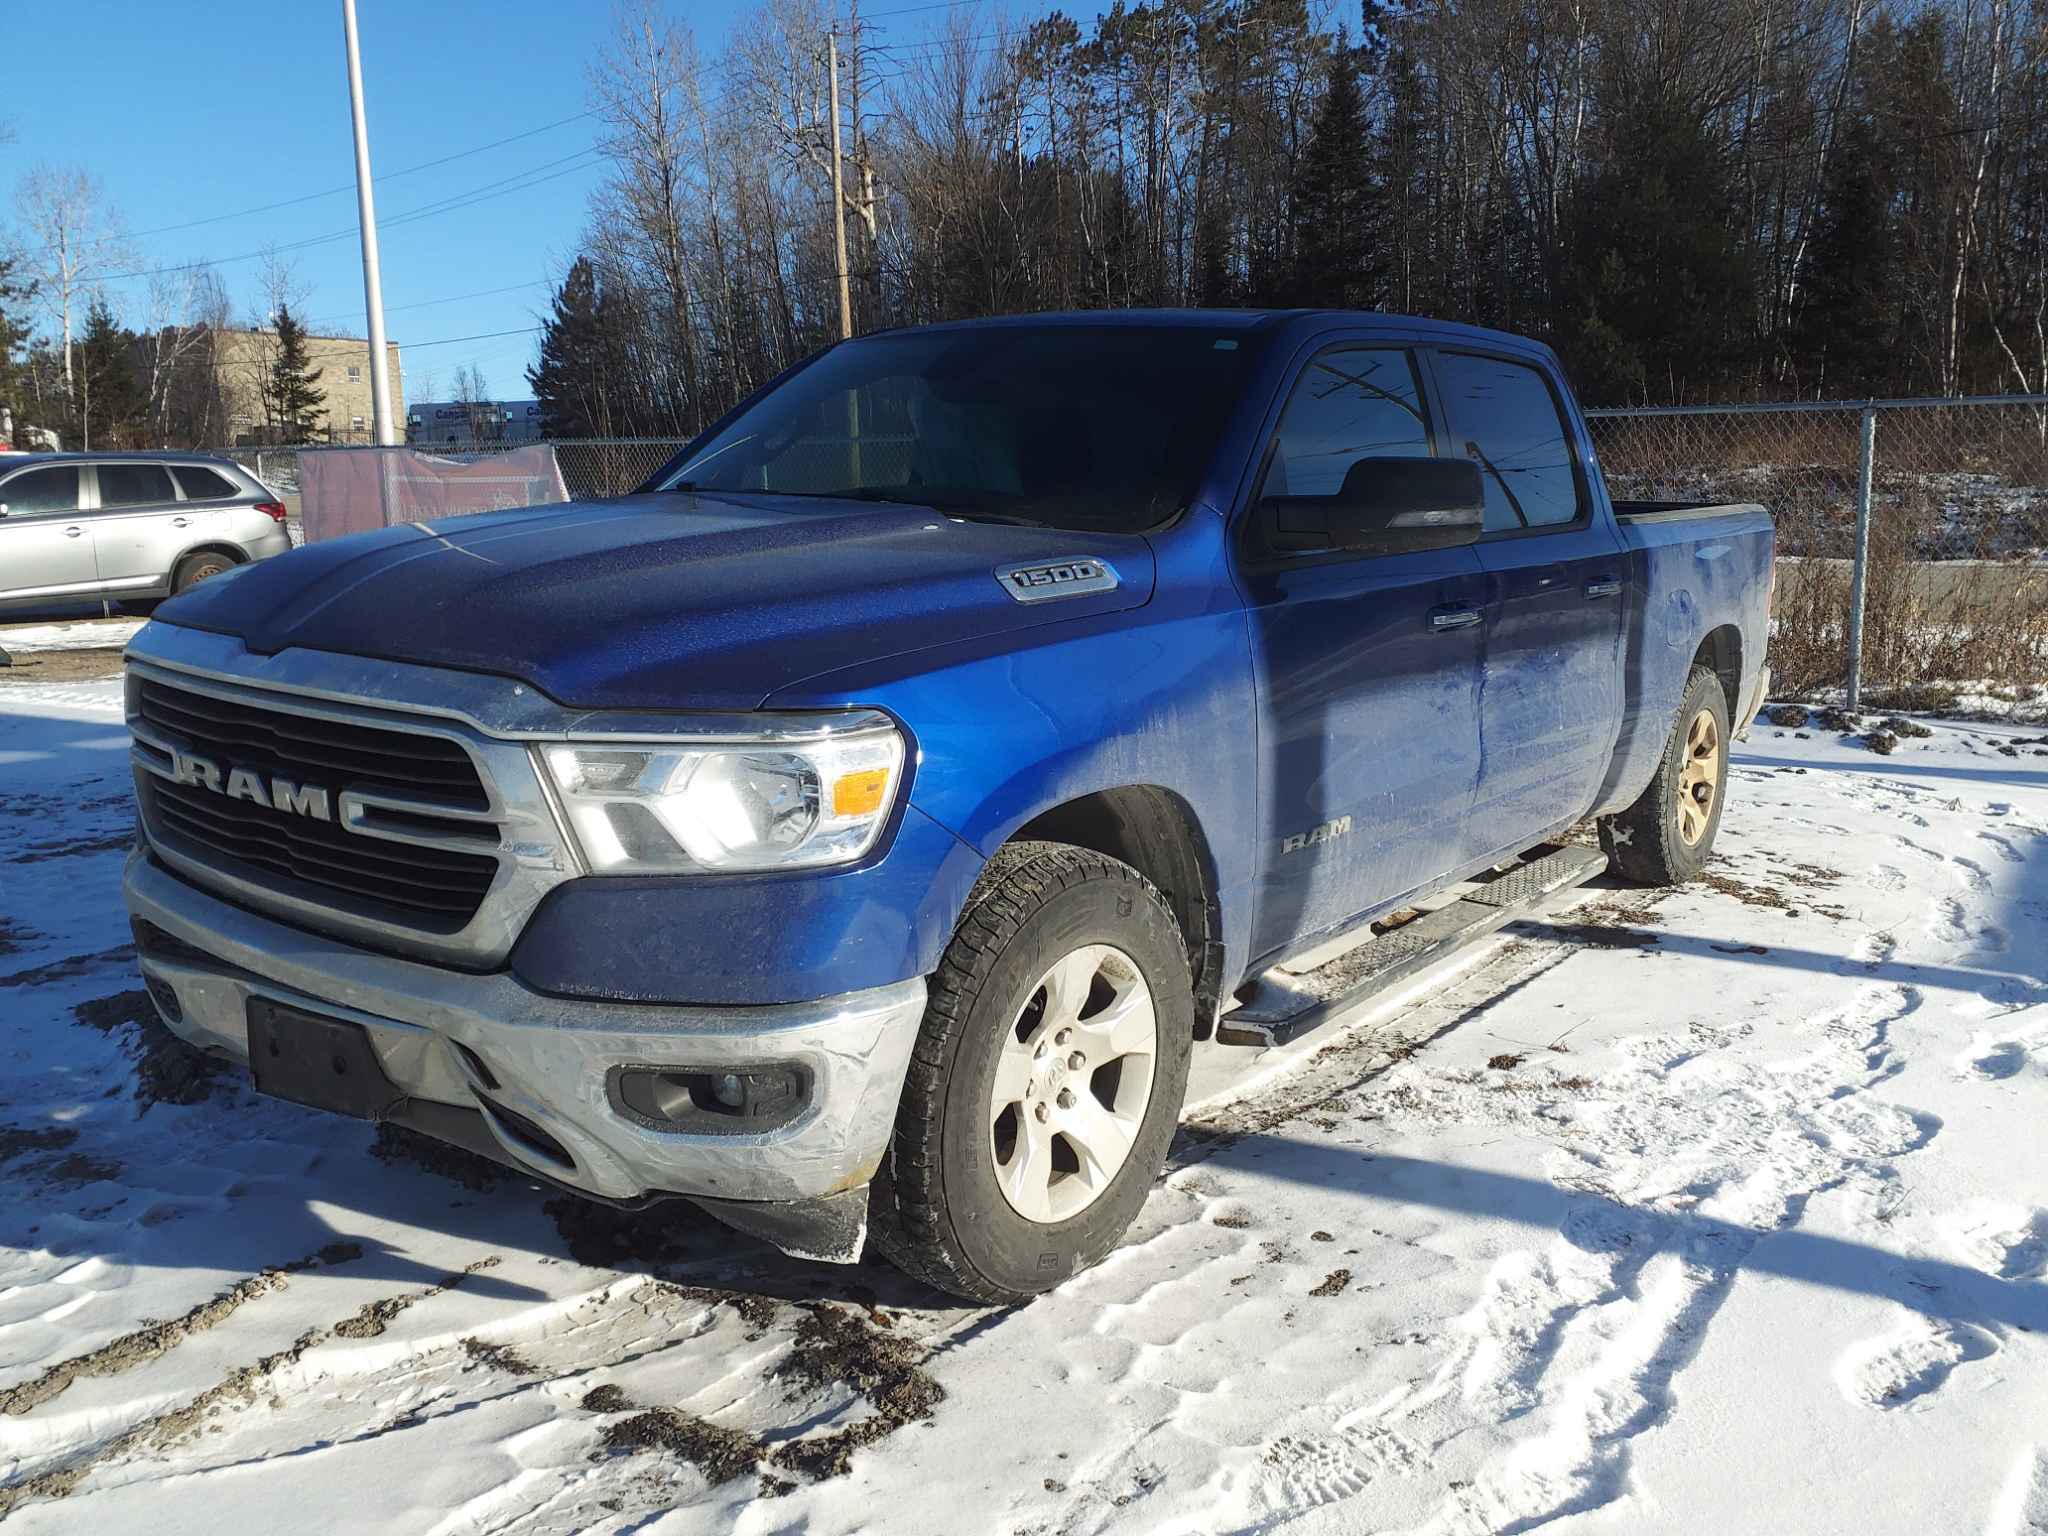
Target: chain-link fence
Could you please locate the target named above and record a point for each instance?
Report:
(1912, 534)
(591, 468)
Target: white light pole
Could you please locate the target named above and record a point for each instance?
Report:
(382, 426)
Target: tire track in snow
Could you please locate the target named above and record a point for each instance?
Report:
(139, 1348)
(172, 1426)
(1585, 1337)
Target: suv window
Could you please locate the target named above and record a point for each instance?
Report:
(134, 485)
(54, 489)
(196, 481)
(1351, 403)
(1505, 417)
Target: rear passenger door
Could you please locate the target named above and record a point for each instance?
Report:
(45, 548)
(140, 528)
(1550, 682)
(1366, 667)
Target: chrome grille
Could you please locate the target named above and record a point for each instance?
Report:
(408, 840)
(310, 748)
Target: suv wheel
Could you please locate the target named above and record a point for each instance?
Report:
(1047, 1080)
(1666, 836)
(194, 569)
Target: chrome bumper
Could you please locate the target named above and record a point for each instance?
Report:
(548, 1059)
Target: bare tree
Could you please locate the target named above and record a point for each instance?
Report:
(78, 239)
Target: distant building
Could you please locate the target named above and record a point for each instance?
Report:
(341, 368)
(464, 424)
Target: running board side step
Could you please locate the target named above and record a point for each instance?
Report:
(1285, 1007)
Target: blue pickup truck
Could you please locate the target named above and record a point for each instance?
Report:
(859, 827)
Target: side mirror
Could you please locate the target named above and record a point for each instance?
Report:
(1385, 507)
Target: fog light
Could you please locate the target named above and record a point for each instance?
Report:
(165, 996)
(756, 1099)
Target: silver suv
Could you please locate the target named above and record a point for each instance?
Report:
(127, 527)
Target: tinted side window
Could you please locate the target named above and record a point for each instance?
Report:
(1504, 416)
(1351, 403)
(42, 490)
(130, 485)
(196, 481)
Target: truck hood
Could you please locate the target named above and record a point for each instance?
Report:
(676, 600)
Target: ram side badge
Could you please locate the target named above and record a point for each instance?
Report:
(1045, 580)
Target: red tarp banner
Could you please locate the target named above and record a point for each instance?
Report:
(352, 490)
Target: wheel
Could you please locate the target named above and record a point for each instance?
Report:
(194, 569)
(1665, 837)
(1047, 1079)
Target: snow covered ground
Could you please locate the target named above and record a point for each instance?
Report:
(1716, 1210)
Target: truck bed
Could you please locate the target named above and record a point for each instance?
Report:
(1679, 511)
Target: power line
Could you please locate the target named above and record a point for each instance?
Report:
(293, 202)
(453, 298)
(489, 189)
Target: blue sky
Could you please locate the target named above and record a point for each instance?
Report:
(190, 111)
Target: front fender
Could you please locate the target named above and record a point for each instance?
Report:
(1159, 697)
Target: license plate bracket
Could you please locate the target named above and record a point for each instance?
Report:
(316, 1061)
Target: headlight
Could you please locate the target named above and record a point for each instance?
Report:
(641, 808)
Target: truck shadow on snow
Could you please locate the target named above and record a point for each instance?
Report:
(1941, 1291)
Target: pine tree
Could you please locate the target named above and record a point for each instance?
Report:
(106, 396)
(572, 380)
(1656, 298)
(1846, 334)
(14, 327)
(1335, 197)
(293, 396)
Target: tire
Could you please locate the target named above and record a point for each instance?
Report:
(1035, 997)
(1666, 837)
(194, 569)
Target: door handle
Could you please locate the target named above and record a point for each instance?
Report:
(1603, 586)
(74, 533)
(1453, 618)
(181, 522)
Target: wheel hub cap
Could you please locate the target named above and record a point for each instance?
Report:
(1699, 779)
(1072, 1083)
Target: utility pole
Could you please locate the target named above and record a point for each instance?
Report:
(838, 192)
(381, 424)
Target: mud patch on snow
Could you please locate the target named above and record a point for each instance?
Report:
(499, 1357)
(398, 1144)
(720, 1454)
(605, 1237)
(375, 1316)
(834, 1349)
(167, 1070)
(18, 1139)
(70, 967)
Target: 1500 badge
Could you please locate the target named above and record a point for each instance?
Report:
(1046, 579)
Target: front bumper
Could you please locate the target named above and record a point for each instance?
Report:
(487, 1044)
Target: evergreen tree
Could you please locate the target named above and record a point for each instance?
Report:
(1656, 298)
(293, 397)
(15, 293)
(1335, 199)
(1845, 339)
(578, 353)
(106, 396)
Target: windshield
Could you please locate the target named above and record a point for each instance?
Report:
(1095, 427)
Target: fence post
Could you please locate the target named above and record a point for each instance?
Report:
(1860, 572)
